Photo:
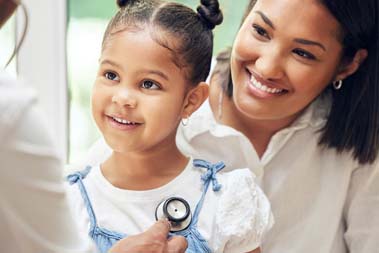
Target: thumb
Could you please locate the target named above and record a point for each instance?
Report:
(160, 229)
(177, 244)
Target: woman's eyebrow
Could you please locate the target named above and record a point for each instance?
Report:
(266, 19)
(310, 42)
(301, 41)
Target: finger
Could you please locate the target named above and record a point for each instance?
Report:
(177, 244)
(160, 229)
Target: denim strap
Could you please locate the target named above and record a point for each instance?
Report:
(208, 177)
(78, 178)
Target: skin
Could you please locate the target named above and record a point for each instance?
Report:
(154, 240)
(291, 46)
(138, 81)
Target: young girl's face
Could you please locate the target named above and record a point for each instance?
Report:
(285, 54)
(138, 95)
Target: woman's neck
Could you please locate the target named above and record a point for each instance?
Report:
(144, 170)
(258, 131)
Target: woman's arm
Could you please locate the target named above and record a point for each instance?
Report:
(360, 211)
(257, 250)
(154, 240)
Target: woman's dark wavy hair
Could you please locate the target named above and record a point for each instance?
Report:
(192, 31)
(353, 122)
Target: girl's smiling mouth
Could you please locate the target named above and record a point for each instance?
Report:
(121, 123)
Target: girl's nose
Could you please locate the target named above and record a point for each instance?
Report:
(125, 97)
(269, 65)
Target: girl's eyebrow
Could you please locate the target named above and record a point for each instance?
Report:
(155, 72)
(110, 63)
(148, 71)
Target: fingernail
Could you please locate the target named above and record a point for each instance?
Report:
(167, 222)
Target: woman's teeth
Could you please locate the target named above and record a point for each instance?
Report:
(263, 87)
(123, 121)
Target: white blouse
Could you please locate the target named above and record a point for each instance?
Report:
(322, 201)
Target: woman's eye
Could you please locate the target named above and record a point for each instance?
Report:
(260, 31)
(304, 54)
(111, 76)
(149, 85)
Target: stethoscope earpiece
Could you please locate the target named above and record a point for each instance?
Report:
(177, 211)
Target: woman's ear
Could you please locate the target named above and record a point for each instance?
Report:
(195, 98)
(351, 67)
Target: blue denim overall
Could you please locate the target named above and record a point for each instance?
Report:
(105, 239)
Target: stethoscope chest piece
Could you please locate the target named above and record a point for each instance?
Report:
(177, 211)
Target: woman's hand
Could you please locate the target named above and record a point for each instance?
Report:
(154, 240)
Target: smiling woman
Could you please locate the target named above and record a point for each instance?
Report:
(301, 87)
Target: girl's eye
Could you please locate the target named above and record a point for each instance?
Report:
(260, 31)
(111, 76)
(149, 85)
(304, 54)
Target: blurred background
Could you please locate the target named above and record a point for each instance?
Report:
(61, 55)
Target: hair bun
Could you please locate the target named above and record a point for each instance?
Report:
(210, 12)
(123, 3)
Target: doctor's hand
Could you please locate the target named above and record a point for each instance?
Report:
(154, 240)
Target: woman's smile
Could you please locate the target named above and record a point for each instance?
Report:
(262, 89)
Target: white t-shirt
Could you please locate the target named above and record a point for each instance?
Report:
(322, 201)
(232, 219)
(34, 214)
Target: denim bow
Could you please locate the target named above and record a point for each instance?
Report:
(212, 169)
(73, 178)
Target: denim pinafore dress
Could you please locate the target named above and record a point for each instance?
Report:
(105, 239)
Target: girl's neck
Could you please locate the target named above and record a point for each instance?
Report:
(144, 170)
(259, 132)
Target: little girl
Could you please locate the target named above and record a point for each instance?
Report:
(154, 61)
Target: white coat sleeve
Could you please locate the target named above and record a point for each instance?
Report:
(34, 213)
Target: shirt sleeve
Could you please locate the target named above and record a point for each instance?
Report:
(34, 207)
(244, 213)
(361, 210)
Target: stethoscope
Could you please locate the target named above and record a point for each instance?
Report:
(177, 211)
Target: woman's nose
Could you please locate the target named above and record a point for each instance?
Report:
(270, 65)
(125, 97)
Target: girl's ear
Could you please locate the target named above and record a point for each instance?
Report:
(195, 98)
(351, 67)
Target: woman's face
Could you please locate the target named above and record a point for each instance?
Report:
(285, 54)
